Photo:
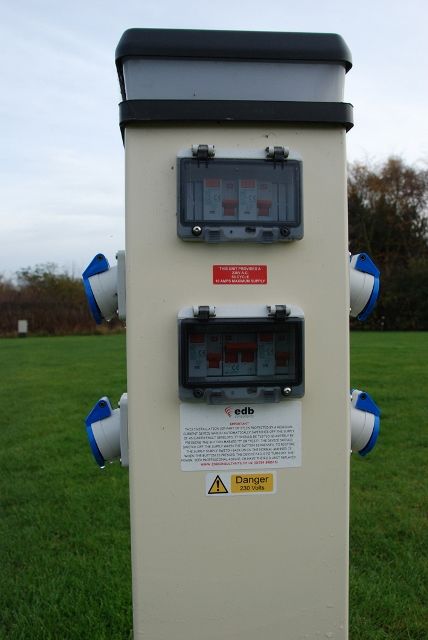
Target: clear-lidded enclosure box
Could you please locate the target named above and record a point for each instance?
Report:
(239, 199)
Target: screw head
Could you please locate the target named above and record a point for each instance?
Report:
(198, 393)
(286, 391)
(102, 403)
(284, 231)
(197, 230)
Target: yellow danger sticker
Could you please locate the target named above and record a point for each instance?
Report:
(232, 483)
(251, 482)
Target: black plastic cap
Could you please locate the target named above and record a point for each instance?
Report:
(234, 45)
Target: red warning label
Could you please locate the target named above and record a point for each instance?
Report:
(239, 274)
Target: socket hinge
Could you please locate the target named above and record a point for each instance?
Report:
(204, 312)
(203, 151)
(278, 311)
(278, 154)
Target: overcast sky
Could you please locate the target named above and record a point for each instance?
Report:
(61, 154)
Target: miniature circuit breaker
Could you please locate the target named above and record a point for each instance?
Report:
(245, 353)
(237, 309)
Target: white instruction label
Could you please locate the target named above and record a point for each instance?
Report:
(258, 436)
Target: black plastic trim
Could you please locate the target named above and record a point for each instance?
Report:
(326, 113)
(234, 45)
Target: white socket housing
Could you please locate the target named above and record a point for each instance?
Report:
(361, 286)
(111, 434)
(107, 435)
(109, 289)
(362, 424)
(104, 288)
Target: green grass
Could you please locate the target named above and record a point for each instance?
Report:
(64, 525)
(388, 576)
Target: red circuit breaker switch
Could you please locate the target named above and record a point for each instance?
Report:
(197, 338)
(263, 207)
(282, 358)
(214, 360)
(230, 207)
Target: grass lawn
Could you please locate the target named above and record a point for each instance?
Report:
(389, 541)
(64, 525)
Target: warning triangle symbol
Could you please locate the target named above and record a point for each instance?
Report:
(217, 487)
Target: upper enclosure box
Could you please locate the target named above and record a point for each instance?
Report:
(181, 74)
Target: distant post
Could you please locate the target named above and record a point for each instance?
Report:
(22, 328)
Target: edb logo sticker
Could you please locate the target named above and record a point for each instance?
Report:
(246, 411)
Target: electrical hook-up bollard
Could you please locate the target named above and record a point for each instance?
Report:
(238, 293)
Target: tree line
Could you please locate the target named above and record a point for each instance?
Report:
(53, 303)
(387, 208)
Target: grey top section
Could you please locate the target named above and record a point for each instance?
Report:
(148, 59)
(159, 79)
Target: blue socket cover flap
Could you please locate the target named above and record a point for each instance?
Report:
(366, 403)
(98, 264)
(365, 264)
(100, 411)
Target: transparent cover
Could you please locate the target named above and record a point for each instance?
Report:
(240, 192)
(231, 352)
